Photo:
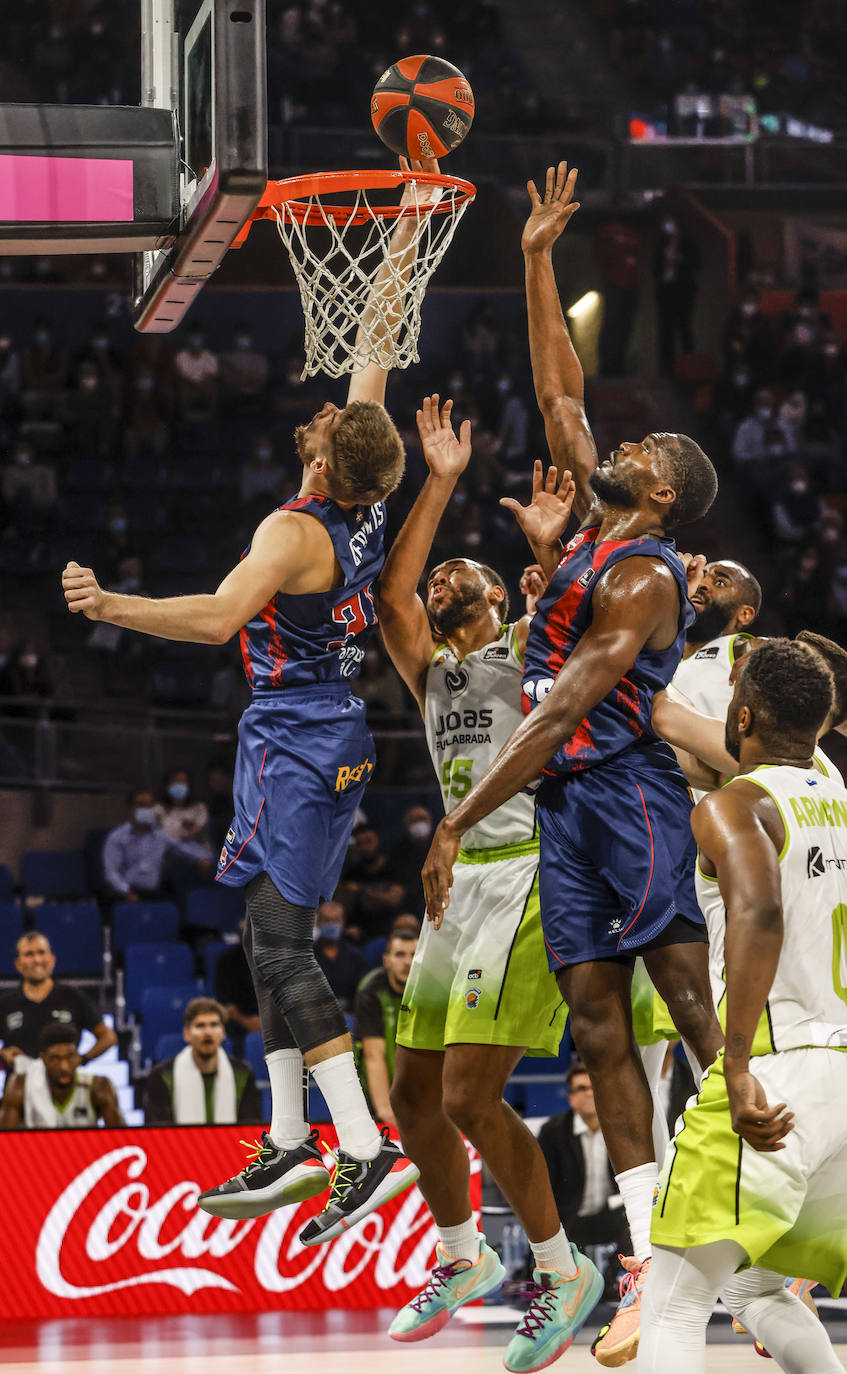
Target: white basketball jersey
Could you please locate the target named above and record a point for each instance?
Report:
(808, 1000)
(704, 676)
(41, 1111)
(472, 707)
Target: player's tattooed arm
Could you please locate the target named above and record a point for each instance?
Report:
(403, 618)
(291, 551)
(556, 369)
(545, 518)
(635, 606)
(740, 834)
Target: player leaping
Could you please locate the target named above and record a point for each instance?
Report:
(479, 992)
(617, 855)
(302, 599)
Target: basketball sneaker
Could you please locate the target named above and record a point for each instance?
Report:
(272, 1178)
(617, 1343)
(558, 1306)
(452, 1283)
(801, 1288)
(359, 1187)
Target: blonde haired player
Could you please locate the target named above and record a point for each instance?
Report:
(479, 993)
(756, 1172)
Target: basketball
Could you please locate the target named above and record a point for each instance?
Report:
(422, 107)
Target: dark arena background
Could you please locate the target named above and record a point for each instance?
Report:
(704, 281)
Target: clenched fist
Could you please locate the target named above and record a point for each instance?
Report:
(82, 591)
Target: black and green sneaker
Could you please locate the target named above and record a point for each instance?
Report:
(273, 1178)
(359, 1187)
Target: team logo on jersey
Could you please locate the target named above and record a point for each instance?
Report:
(472, 997)
(811, 782)
(230, 836)
(15, 1020)
(497, 651)
(614, 926)
(224, 855)
(346, 775)
(586, 577)
(712, 652)
(537, 691)
(456, 682)
(474, 974)
(816, 864)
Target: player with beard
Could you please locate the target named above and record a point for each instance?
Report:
(302, 600)
(727, 600)
(617, 855)
(479, 993)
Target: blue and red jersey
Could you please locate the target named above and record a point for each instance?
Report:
(622, 718)
(299, 641)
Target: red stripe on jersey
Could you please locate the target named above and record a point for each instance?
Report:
(652, 864)
(244, 645)
(276, 648)
(297, 502)
(561, 615)
(247, 841)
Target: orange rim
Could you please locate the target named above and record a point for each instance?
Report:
(292, 196)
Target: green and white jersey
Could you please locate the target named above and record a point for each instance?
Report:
(807, 1005)
(40, 1110)
(472, 706)
(704, 676)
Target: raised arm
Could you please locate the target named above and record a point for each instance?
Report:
(556, 369)
(632, 602)
(545, 519)
(382, 314)
(290, 551)
(402, 614)
(741, 832)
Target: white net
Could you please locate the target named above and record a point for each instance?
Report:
(362, 279)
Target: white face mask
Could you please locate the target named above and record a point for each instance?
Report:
(420, 830)
(178, 791)
(145, 815)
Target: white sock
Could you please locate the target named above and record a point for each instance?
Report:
(288, 1126)
(554, 1253)
(358, 1134)
(637, 1187)
(461, 1242)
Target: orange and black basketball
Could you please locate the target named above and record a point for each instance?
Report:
(422, 107)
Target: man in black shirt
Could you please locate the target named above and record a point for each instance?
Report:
(343, 964)
(42, 1002)
(375, 1030)
(235, 991)
(370, 888)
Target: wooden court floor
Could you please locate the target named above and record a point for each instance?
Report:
(300, 1343)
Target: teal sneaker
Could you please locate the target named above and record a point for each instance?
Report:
(451, 1284)
(557, 1309)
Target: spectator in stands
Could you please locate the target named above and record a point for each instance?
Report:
(27, 674)
(235, 991)
(179, 813)
(755, 431)
(28, 487)
(408, 855)
(803, 329)
(202, 1085)
(92, 413)
(51, 1092)
(580, 1171)
(41, 1001)
(196, 369)
(819, 447)
(219, 793)
(748, 333)
(262, 479)
(135, 853)
(243, 372)
(796, 510)
(617, 246)
(370, 890)
(342, 963)
(146, 429)
(676, 271)
(407, 923)
(375, 1021)
(378, 684)
(802, 597)
(44, 367)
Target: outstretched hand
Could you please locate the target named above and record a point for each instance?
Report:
(544, 520)
(549, 214)
(420, 193)
(445, 455)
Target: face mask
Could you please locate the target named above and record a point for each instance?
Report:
(243, 341)
(504, 385)
(178, 791)
(776, 450)
(741, 379)
(804, 333)
(460, 498)
(473, 539)
(669, 226)
(748, 309)
(331, 930)
(763, 413)
(117, 524)
(88, 383)
(99, 343)
(799, 487)
(42, 337)
(264, 455)
(145, 815)
(830, 350)
(5, 345)
(29, 660)
(420, 830)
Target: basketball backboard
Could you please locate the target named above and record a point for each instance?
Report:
(204, 59)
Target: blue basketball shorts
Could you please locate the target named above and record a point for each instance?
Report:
(303, 760)
(617, 856)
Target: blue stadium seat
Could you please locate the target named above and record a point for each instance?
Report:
(350, 1020)
(546, 1098)
(265, 1094)
(161, 1012)
(218, 907)
(254, 1053)
(318, 1110)
(373, 952)
(75, 935)
(143, 923)
(211, 952)
(53, 873)
(11, 925)
(156, 966)
(168, 1045)
(7, 883)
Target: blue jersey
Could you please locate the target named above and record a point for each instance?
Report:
(622, 718)
(302, 640)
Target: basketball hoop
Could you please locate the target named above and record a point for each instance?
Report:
(361, 277)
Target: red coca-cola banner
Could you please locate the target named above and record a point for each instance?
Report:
(105, 1222)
